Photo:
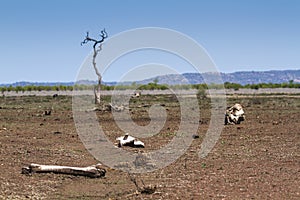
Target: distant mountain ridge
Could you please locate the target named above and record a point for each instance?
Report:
(240, 77)
(254, 77)
(26, 83)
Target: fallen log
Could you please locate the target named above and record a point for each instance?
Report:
(94, 171)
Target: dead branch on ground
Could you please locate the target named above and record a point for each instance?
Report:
(94, 171)
(145, 189)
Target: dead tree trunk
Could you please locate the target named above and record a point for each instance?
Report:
(97, 47)
(97, 89)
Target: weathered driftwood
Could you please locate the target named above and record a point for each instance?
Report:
(234, 114)
(128, 140)
(108, 107)
(94, 171)
(117, 108)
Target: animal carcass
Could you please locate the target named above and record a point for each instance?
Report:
(128, 140)
(234, 114)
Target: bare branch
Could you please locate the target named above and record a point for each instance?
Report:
(149, 189)
(87, 39)
(133, 179)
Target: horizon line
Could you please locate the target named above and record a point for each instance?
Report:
(113, 81)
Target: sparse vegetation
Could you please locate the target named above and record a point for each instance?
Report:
(150, 86)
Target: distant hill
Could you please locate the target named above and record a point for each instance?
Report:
(242, 77)
(26, 83)
(253, 77)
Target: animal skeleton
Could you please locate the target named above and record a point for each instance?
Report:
(234, 114)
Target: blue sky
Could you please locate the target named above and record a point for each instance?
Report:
(40, 40)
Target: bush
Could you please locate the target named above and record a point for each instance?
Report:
(3, 89)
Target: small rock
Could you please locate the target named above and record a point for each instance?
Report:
(195, 136)
(47, 112)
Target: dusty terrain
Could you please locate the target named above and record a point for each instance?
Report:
(258, 159)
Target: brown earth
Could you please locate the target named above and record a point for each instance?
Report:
(258, 159)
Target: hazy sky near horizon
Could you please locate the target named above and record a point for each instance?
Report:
(40, 40)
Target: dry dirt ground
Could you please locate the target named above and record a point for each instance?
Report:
(258, 159)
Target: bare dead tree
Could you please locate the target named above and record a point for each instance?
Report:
(97, 47)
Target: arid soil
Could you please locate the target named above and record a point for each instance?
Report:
(257, 159)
